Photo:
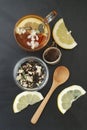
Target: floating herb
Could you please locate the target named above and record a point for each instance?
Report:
(41, 28)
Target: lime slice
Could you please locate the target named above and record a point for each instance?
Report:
(68, 96)
(62, 36)
(26, 98)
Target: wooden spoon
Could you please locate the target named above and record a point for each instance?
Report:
(61, 74)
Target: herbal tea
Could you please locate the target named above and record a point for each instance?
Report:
(32, 33)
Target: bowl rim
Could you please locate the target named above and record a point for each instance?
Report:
(20, 62)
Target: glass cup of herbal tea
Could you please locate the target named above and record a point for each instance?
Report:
(32, 32)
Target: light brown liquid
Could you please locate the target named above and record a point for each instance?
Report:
(24, 28)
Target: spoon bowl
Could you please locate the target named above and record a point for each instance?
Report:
(60, 76)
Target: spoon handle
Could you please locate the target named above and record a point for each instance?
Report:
(40, 109)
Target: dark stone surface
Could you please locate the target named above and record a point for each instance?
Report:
(74, 14)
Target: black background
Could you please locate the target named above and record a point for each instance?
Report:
(74, 13)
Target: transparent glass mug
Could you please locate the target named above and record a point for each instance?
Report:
(32, 32)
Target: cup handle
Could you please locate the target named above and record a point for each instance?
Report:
(50, 16)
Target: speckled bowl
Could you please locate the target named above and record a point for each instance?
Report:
(34, 59)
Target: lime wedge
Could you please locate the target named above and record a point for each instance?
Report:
(26, 98)
(62, 36)
(67, 96)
